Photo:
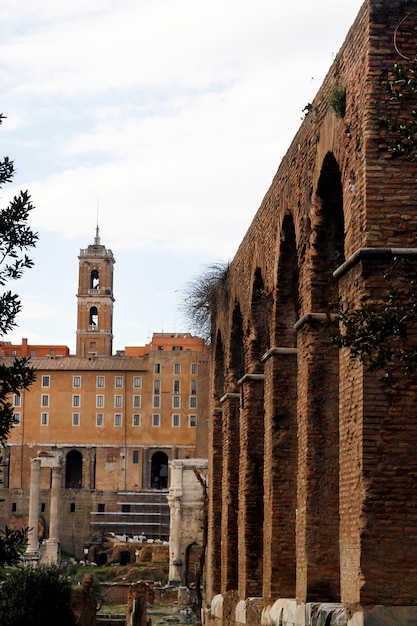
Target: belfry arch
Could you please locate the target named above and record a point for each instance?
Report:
(93, 317)
(95, 279)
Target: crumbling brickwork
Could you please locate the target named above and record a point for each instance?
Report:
(313, 490)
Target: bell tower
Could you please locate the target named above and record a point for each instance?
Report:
(95, 300)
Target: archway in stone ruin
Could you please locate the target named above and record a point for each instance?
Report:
(229, 480)
(322, 424)
(281, 446)
(329, 234)
(124, 557)
(74, 470)
(159, 470)
(192, 562)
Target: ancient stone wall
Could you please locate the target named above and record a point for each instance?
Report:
(312, 490)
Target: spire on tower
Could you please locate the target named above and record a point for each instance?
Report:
(97, 237)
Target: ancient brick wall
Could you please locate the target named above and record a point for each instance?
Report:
(312, 477)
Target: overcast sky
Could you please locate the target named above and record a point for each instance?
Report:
(172, 117)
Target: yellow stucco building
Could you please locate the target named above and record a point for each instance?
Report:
(114, 420)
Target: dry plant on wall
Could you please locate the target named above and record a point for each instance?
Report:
(202, 296)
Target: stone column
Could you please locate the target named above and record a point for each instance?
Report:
(32, 553)
(174, 499)
(52, 544)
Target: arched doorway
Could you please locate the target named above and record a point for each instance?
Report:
(74, 470)
(159, 471)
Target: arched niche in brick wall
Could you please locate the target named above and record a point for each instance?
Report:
(261, 313)
(328, 234)
(237, 359)
(318, 363)
(287, 306)
(218, 368)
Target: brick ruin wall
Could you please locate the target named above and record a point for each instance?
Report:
(313, 491)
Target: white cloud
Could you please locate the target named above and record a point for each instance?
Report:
(173, 113)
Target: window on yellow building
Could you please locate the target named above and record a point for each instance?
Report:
(100, 381)
(46, 381)
(16, 418)
(44, 400)
(118, 382)
(75, 419)
(136, 419)
(118, 402)
(193, 402)
(156, 419)
(135, 456)
(44, 419)
(156, 402)
(192, 421)
(76, 400)
(17, 399)
(175, 420)
(176, 402)
(136, 402)
(99, 401)
(137, 381)
(100, 419)
(76, 381)
(193, 369)
(117, 419)
(177, 369)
